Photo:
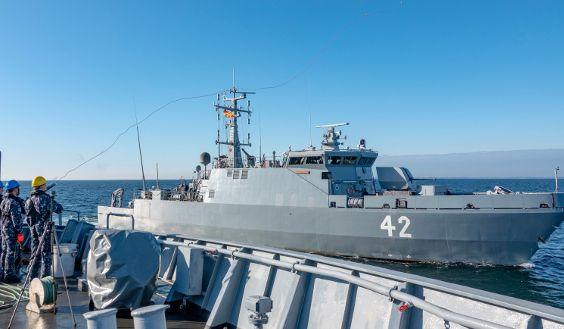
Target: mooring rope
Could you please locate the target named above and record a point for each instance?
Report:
(9, 295)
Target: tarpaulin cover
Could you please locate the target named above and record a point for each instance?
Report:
(122, 268)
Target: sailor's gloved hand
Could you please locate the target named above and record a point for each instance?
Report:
(20, 238)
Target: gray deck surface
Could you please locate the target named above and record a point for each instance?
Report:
(62, 319)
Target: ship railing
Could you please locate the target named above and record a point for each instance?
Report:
(391, 292)
(108, 215)
(60, 216)
(353, 275)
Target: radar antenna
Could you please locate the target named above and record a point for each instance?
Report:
(229, 106)
(331, 137)
(333, 125)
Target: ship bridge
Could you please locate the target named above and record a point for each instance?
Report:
(349, 171)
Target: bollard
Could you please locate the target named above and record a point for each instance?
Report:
(102, 319)
(150, 317)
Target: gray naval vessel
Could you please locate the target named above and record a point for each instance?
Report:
(326, 200)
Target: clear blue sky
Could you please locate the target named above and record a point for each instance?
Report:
(412, 77)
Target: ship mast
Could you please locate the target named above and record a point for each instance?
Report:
(232, 111)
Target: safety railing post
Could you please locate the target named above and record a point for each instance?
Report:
(119, 215)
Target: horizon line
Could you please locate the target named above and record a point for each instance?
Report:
(177, 179)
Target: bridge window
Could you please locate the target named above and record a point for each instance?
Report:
(350, 160)
(334, 160)
(314, 160)
(366, 162)
(296, 161)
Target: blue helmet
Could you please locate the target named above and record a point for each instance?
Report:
(12, 185)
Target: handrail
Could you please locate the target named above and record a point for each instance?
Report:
(450, 288)
(119, 215)
(72, 211)
(392, 293)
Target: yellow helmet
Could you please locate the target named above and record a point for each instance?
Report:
(38, 181)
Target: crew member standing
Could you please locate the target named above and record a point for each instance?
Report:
(11, 227)
(1, 240)
(39, 208)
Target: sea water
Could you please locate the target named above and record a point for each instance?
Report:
(541, 280)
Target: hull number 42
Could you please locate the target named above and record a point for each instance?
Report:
(402, 221)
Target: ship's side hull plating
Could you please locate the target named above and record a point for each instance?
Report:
(508, 237)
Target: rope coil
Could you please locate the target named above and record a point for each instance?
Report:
(9, 295)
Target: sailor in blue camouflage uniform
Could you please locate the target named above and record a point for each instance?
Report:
(11, 211)
(39, 208)
(1, 240)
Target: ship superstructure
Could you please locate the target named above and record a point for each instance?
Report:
(326, 200)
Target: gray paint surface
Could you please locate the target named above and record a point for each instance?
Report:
(310, 300)
(500, 236)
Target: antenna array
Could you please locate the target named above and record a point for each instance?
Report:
(228, 105)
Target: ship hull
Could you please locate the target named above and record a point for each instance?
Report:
(505, 237)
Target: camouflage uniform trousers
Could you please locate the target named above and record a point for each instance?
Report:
(42, 266)
(1, 244)
(9, 251)
(4, 254)
(2, 248)
(18, 256)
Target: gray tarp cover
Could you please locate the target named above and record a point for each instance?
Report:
(122, 268)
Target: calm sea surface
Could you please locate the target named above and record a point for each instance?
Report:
(543, 282)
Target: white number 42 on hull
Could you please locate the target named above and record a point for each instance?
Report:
(402, 220)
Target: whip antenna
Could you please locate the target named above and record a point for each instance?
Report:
(158, 183)
(140, 152)
(556, 170)
(310, 135)
(260, 140)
